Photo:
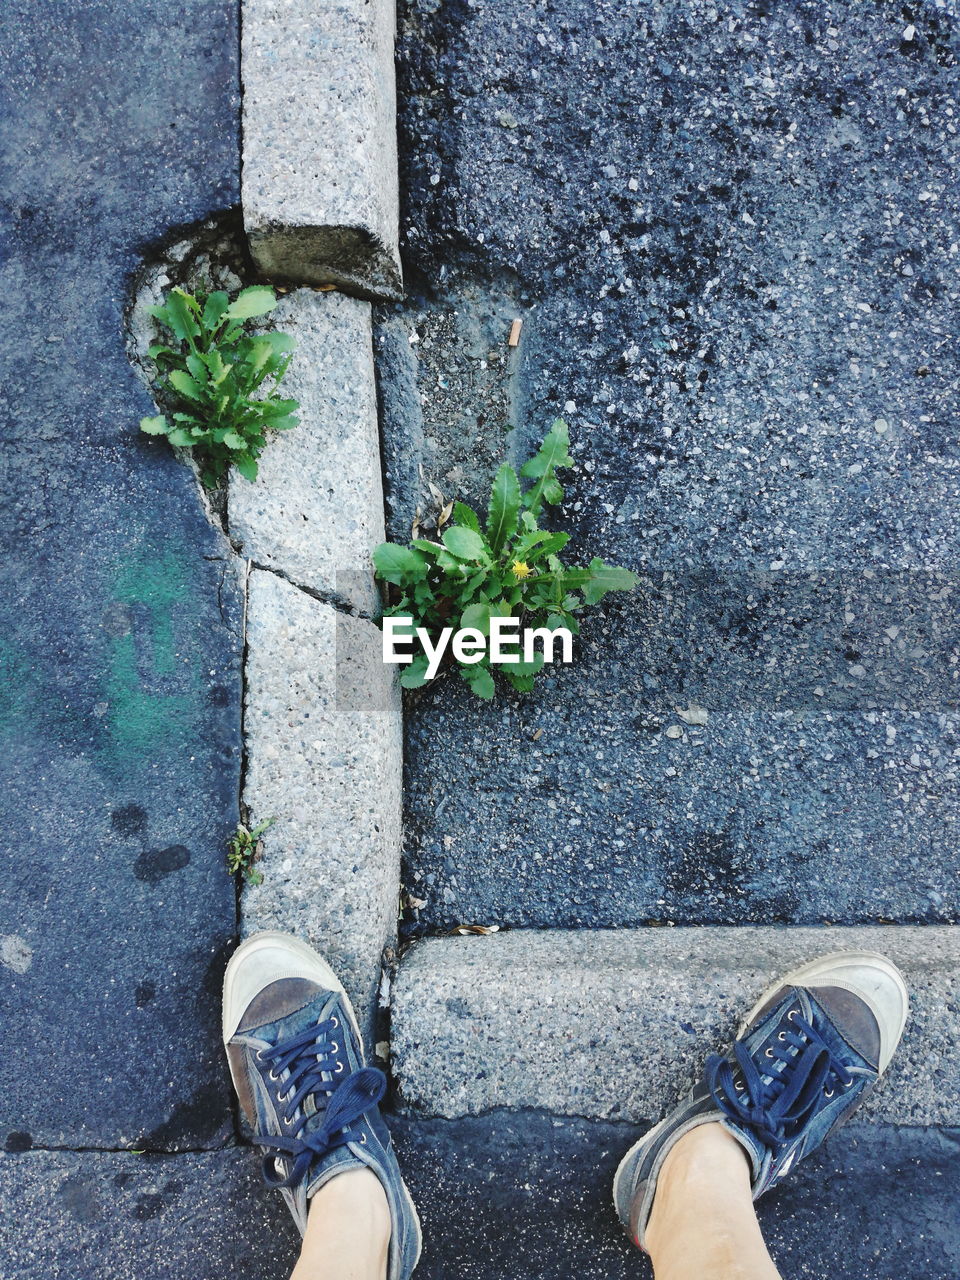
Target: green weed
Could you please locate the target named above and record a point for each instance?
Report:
(508, 567)
(244, 848)
(218, 381)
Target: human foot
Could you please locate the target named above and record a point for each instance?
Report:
(805, 1058)
(296, 1059)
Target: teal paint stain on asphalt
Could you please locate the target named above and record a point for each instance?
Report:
(159, 583)
(16, 690)
(151, 685)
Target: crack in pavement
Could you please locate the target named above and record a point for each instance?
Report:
(331, 598)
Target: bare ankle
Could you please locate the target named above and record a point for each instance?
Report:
(704, 1161)
(348, 1230)
(355, 1195)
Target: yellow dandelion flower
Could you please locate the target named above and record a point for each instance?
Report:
(520, 569)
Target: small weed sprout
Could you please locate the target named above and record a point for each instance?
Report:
(218, 381)
(509, 567)
(244, 848)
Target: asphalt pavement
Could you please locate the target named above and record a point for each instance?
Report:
(730, 233)
(120, 616)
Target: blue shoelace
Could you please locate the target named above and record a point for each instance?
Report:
(309, 1056)
(777, 1099)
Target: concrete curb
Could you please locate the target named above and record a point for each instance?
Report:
(322, 726)
(616, 1024)
(320, 181)
(315, 511)
(323, 757)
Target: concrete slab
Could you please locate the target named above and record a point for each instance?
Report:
(320, 188)
(120, 615)
(876, 1201)
(315, 511)
(187, 1217)
(322, 726)
(617, 1024)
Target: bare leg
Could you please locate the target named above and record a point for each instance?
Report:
(702, 1225)
(348, 1230)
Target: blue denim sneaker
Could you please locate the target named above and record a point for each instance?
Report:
(806, 1056)
(296, 1058)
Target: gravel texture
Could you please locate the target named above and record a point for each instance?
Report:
(877, 1200)
(731, 236)
(615, 1025)
(600, 800)
(535, 1189)
(448, 384)
(322, 725)
(71, 1215)
(319, 142)
(315, 511)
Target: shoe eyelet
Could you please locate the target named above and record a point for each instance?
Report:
(338, 1069)
(272, 1076)
(781, 1035)
(793, 1015)
(363, 1139)
(335, 1022)
(828, 1093)
(334, 1048)
(768, 1053)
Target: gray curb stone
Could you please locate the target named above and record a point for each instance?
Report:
(323, 735)
(315, 511)
(616, 1024)
(320, 184)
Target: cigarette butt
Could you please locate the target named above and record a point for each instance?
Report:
(515, 328)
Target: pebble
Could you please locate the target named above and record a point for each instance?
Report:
(15, 952)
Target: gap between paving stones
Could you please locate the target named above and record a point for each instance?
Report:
(332, 599)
